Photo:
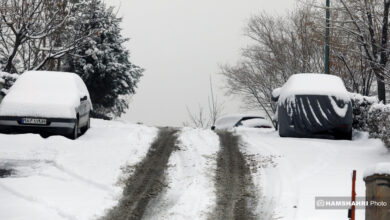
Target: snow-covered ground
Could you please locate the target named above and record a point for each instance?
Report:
(294, 171)
(57, 178)
(190, 193)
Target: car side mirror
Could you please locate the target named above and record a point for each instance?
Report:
(276, 94)
(84, 98)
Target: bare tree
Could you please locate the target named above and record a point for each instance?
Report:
(282, 46)
(203, 119)
(31, 32)
(368, 22)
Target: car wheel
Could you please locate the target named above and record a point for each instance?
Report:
(75, 132)
(344, 135)
(87, 126)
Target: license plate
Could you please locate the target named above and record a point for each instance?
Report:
(34, 121)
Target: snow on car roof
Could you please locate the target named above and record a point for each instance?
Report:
(314, 84)
(45, 94)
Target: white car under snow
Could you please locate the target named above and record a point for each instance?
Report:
(250, 121)
(46, 102)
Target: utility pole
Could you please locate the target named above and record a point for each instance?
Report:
(327, 37)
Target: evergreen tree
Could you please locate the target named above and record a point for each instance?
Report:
(103, 62)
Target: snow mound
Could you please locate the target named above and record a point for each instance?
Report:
(379, 168)
(314, 84)
(44, 94)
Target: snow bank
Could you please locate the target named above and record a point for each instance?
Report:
(61, 179)
(293, 171)
(190, 192)
(314, 84)
(379, 168)
(44, 94)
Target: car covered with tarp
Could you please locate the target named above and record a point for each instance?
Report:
(314, 105)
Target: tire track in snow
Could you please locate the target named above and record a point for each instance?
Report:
(235, 190)
(148, 179)
(191, 170)
(40, 202)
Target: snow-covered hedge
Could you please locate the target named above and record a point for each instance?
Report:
(371, 116)
(379, 122)
(361, 106)
(9, 80)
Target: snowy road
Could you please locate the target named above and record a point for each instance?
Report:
(147, 181)
(234, 187)
(178, 174)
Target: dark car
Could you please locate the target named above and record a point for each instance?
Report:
(46, 103)
(314, 105)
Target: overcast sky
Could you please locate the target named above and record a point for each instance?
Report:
(181, 43)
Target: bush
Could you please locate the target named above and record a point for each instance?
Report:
(371, 116)
(361, 106)
(9, 80)
(379, 122)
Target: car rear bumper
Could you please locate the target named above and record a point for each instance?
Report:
(61, 126)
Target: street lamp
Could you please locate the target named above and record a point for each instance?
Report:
(327, 37)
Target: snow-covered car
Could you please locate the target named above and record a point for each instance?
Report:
(46, 102)
(231, 121)
(314, 105)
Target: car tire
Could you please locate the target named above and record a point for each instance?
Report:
(87, 126)
(347, 135)
(75, 133)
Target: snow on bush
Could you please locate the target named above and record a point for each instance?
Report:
(379, 122)
(360, 107)
(8, 80)
(371, 116)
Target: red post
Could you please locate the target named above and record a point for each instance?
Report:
(353, 195)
